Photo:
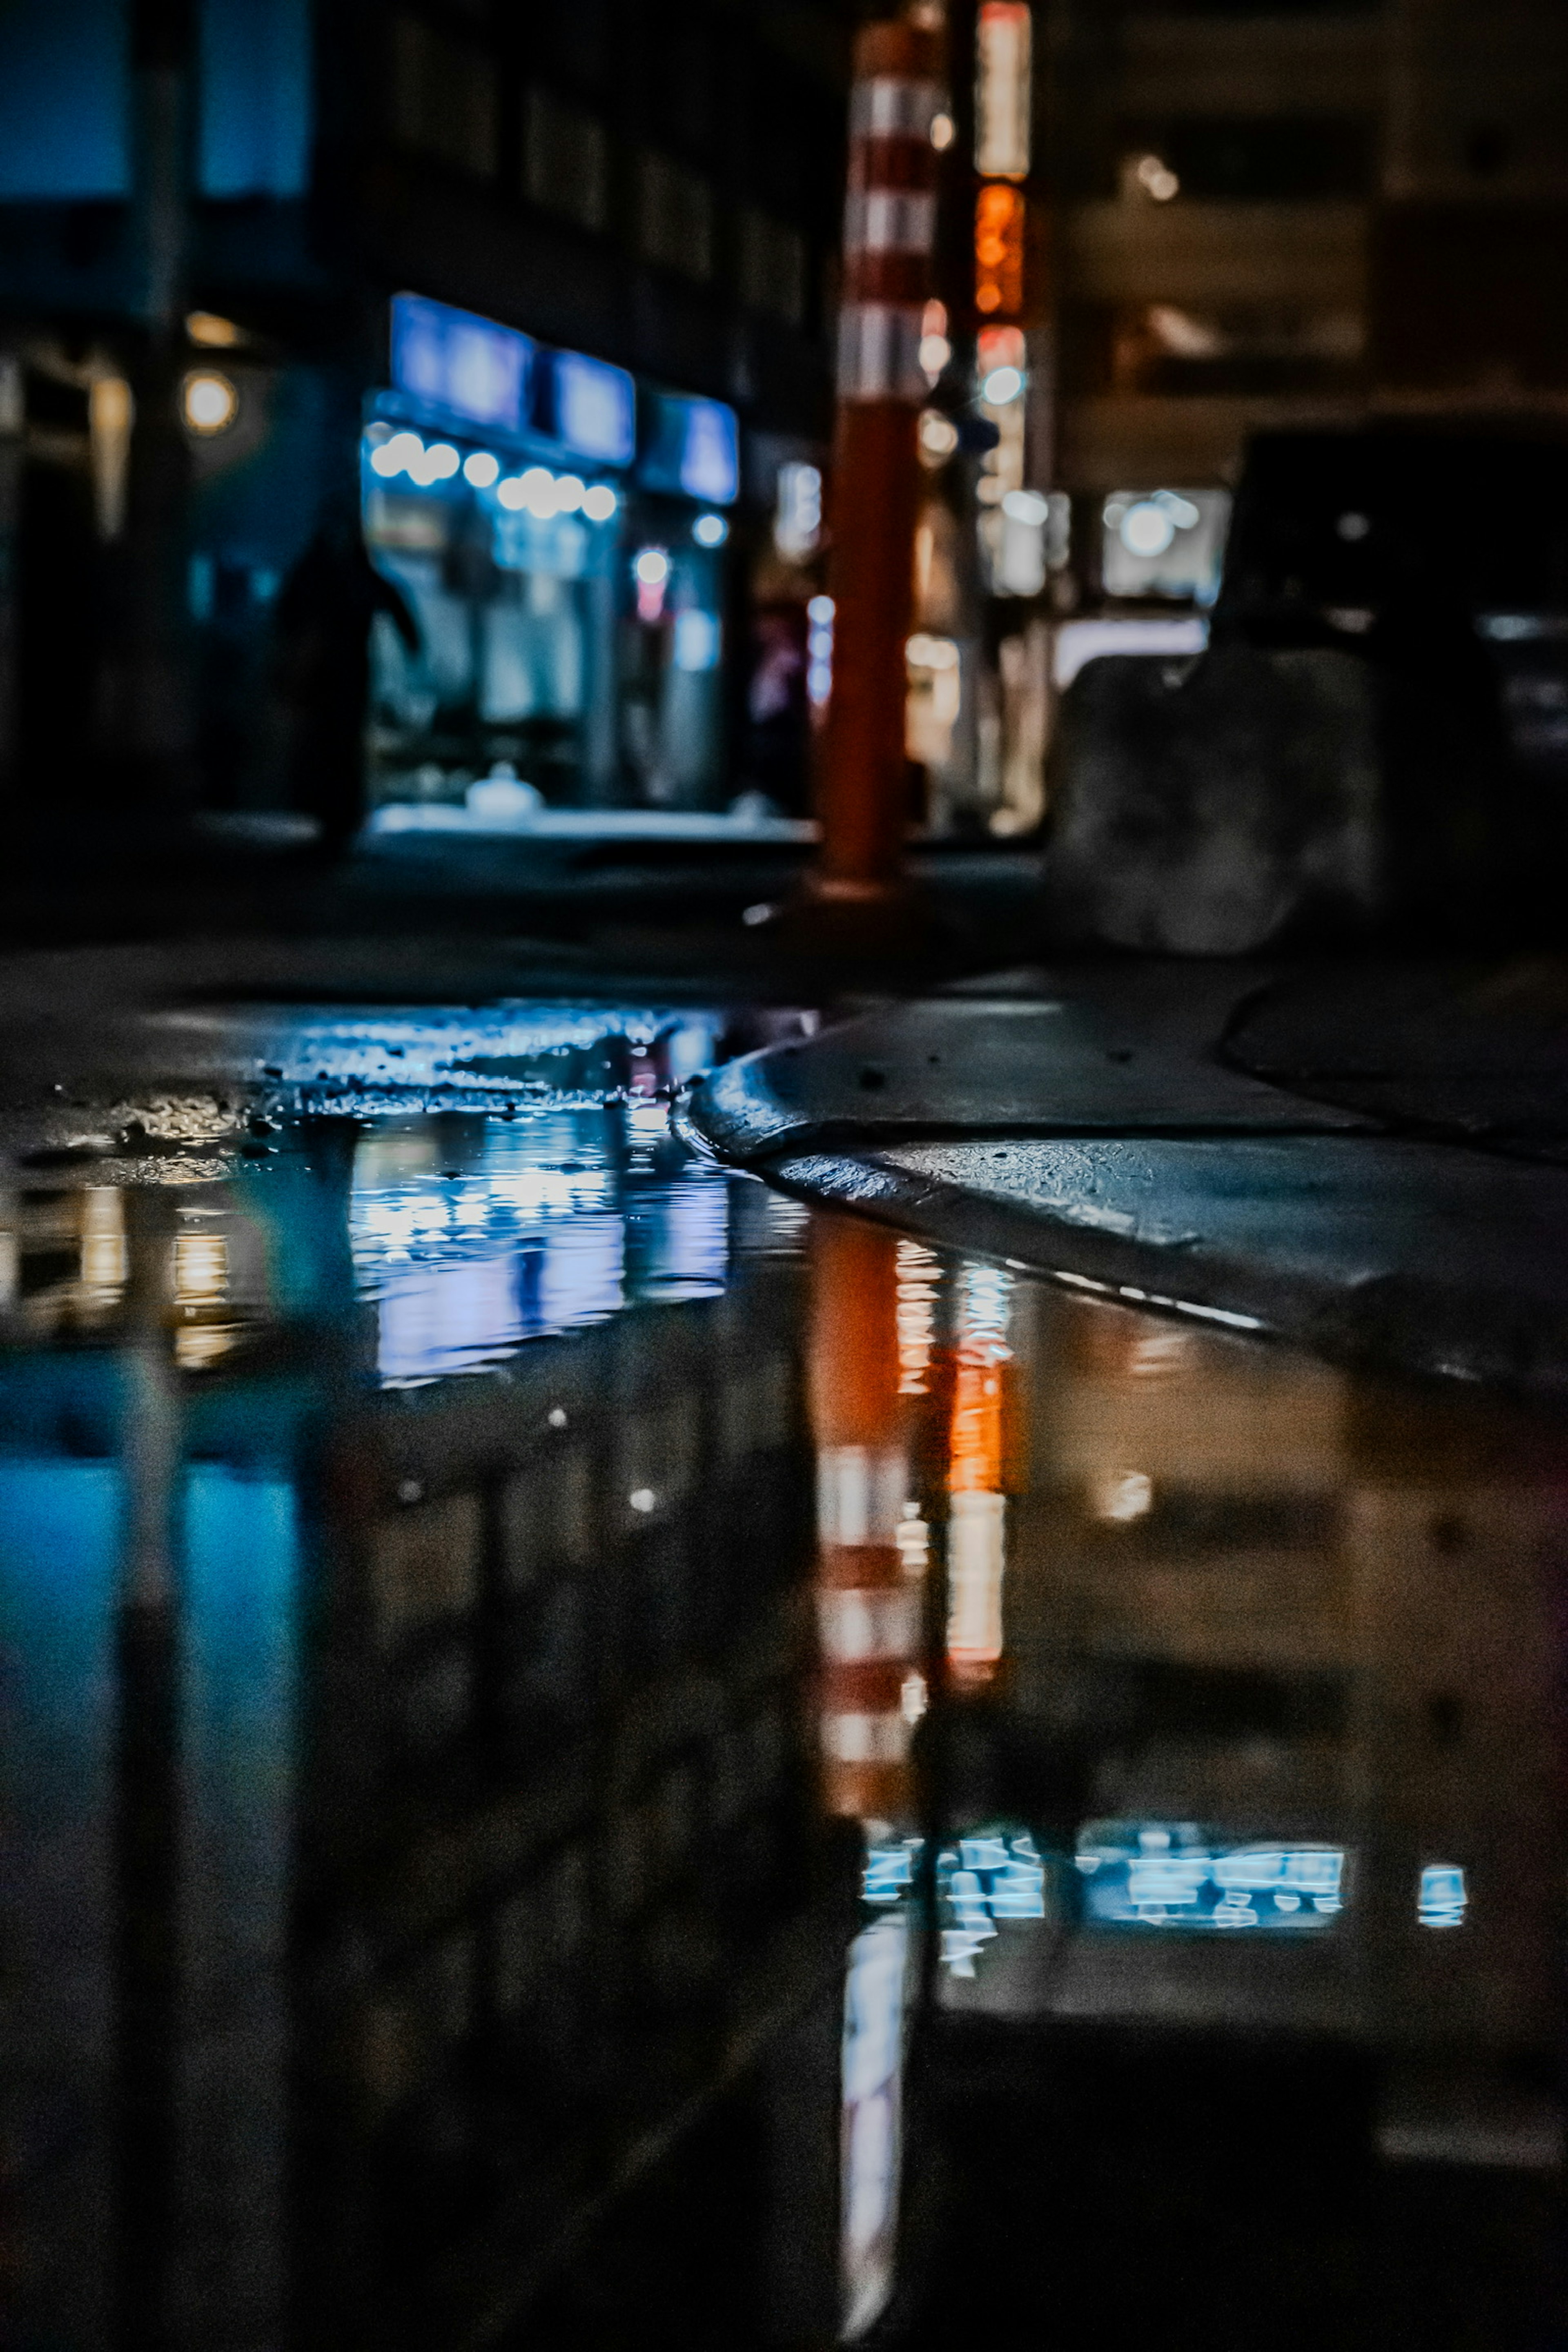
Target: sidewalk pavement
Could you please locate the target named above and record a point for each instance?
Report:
(1370, 1161)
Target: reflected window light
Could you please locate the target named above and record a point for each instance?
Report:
(798, 514)
(819, 651)
(201, 1267)
(871, 2120)
(1443, 1898)
(1002, 90)
(104, 1259)
(1175, 1874)
(696, 639)
(918, 1280)
(1124, 1496)
(205, 327)
(480, 469)
(210, 403)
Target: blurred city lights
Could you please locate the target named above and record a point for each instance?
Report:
(710, 530)
(1003, 385)
(480, 469)
(511, 493)
(652, 567)
(1157, 178)
(599, 503)
(819, 650)
(1147, 529)
(798, 514)
(210, 403)
(942, 132)
(569, 493)
(215, 333)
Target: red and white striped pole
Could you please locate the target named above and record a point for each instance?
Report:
(888, 233)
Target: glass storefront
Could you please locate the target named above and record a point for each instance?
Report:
(558, 540)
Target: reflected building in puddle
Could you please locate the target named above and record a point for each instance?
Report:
(411, 1766)
(478, 1592)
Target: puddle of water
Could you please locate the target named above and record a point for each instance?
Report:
(581, 1743)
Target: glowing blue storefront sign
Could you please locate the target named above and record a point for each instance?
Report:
(595, 408)
(694, 450)
(470, 367)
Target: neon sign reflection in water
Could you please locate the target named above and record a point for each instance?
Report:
(871, 2122)
(1443, 1898)
(997, 1875)
(1175, 1874)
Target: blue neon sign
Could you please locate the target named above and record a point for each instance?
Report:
(595, 408)
(468, 366)
(694, 450)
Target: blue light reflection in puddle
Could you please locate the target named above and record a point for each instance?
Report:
(474, 1232)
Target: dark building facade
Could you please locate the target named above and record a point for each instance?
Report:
(656, 189)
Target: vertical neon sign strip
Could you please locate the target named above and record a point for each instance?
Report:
(1002, 90)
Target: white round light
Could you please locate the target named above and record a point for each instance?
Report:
(1026, 506)
(480, 469)
(441, 462)
(820, 610)
(652, 567)
(599, 503)
(211, 403)
(1146, 528)
(394, 456)
(511, 493)
(1003, 385)
(569, 494)
(710, 531)
(539, 491)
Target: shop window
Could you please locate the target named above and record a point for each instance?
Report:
(675, 216)
(565, 159)
(771, 267)
(443, 96)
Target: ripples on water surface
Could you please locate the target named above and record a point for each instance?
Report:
(594, 1757)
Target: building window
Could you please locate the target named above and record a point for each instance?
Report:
(443, 96)
(565, 159)
(771, 270)
(675, 217)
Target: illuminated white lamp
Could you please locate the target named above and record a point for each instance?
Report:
(539, 491)
(210, 403)
(438, 464)
(1146, 528)
(643, 1500)
(511, 493)
(569, 493)
(481, 469)
(652, 567)
(1003, 385)
(1157, 179)
(599, 503)
(710, 530)
(399, 454)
